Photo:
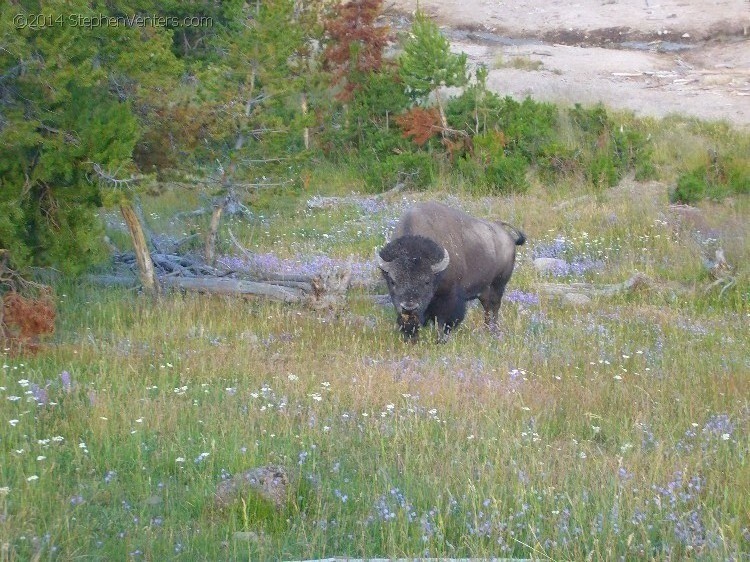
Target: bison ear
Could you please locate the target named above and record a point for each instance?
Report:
(442, 264)
(382, 264)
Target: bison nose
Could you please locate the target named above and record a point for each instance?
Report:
(409, 306)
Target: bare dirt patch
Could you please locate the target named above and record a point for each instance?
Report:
(651, 57)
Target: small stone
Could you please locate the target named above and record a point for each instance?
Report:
(270, 482)
(249, 337)
(154, 500)
(576, 299)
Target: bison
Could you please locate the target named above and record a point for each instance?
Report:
(439, 259)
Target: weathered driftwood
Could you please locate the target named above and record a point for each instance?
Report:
(320, 292)
(174, 264)
(224, 286)
(142, 255)
(213, 285)
(591, 289)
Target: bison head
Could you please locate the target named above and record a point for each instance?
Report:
(412, 266)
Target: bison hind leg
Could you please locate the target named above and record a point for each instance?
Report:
(490, 299)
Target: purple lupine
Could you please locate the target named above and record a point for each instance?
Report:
(521, 297)
(554, 249)
(67, 384)
(77, 500)
(40, 394)
(718, 425)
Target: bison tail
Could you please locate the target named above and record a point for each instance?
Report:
(520, 236)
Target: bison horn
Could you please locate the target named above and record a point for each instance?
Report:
(382, 264)
(438, 267)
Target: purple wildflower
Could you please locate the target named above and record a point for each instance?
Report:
(77, 500)
(521, 297)
(40, 394)
(554, 249)
(718, 425)
(67, 384)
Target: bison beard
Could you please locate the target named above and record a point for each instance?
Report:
(427, 282)
(409, 324)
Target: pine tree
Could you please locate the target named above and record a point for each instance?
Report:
(427, 63)
(68, 100)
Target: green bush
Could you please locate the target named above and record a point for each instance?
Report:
(722, 176)
(690, 188)
(417, 170)
(635, 152)
(476, 110)
(529, 127)
(591, 122)
(507, 174)
(366, 123)
(602, 170)
(492, 165)
(738, 176)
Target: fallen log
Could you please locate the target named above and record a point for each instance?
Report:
(321, 292)
(212, 285)
(224, 286)
(591, 289)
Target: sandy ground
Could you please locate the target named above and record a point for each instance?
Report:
(653, 57)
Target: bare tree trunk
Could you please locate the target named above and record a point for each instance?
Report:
(306, 130)
(142, 254)
(443, 120)
(210, 249)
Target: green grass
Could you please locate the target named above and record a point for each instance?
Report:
(614, 430)
(520, 62)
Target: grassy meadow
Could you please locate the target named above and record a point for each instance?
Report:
(614, 430)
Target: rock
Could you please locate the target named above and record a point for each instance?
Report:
(544, 265)
(249, 337)
(576, 299)
(270, 482)
(154, 500)
(248, 536)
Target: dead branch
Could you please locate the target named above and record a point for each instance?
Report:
(323, 293)
(223, 286)
(68, 137)
(111, 180)
(239, 246)
(590, 289)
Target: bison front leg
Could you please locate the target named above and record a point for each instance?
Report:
(448, 314)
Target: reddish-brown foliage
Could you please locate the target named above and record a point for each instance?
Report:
(24, 320)
(420, 124)
(355, 43)
(458, 147)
